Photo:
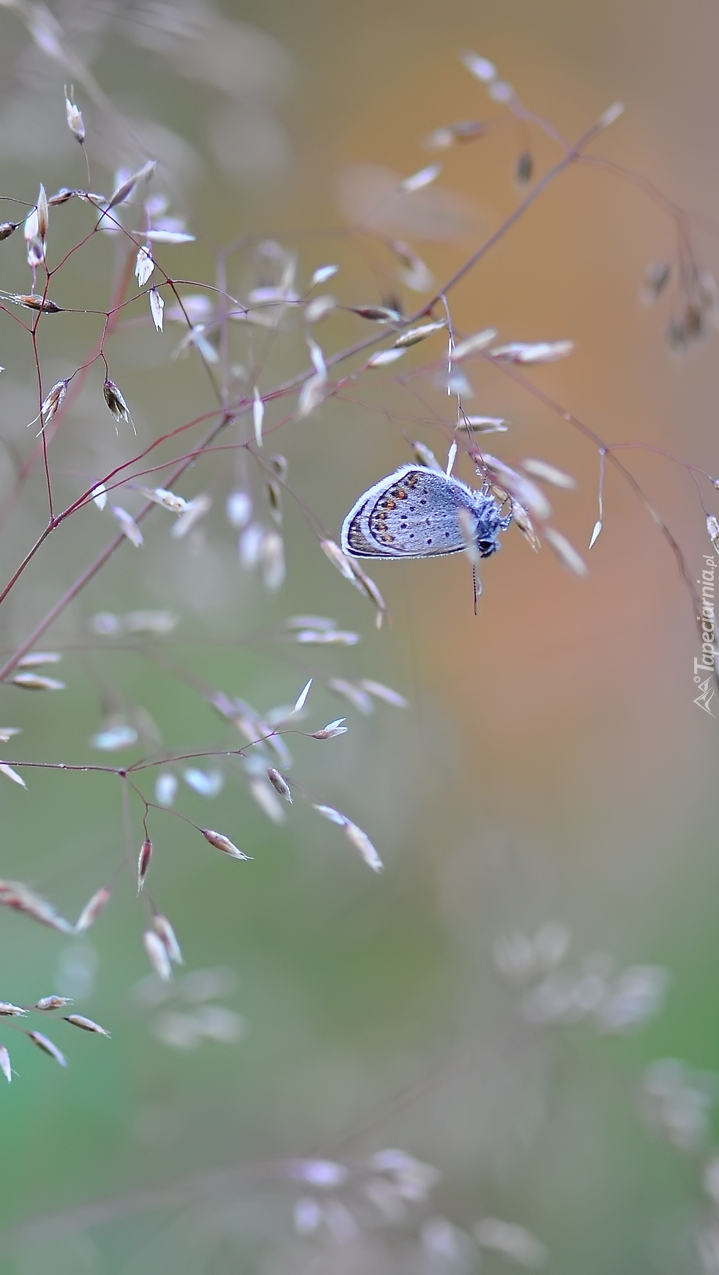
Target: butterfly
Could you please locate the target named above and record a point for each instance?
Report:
(413, 513)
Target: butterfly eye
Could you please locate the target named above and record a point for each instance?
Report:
(487, 547)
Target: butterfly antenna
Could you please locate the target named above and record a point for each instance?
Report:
(476, 581)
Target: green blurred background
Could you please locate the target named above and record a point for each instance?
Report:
(552, 766)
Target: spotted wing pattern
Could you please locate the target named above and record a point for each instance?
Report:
(410, 514)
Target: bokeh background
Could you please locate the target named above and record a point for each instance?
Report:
(552, 768)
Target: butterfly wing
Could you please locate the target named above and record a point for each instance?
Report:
(354, 540)
(410, 514)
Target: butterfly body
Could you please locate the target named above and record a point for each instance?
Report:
(414, 513)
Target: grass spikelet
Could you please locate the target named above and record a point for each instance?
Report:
(157, 955)
(517, 485)
(223, 843)
(565, 551)
(418, 181)
(473, 344)
(258, 415)
(92, 910)
(279, 783)
(320, 308)
(42, 213)
(414, 335)
(533, 352)
(193, 512)
(32, 302)
(385, 693)
(47, 1047)
(157, 309)
(326, 637)
(264, 795)
(385, 357)
(74, 118)
(9, 773)
(115, 401)
(168, 938)
(21, 898)
(36, 682)
(481, 68)
(548, 473)
(128, 526)
(313, 392)
(85, 1024)
(362, 843)
(354, 834)
(331, 730)
(143, 862)
(126, 188)
(35, 659)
